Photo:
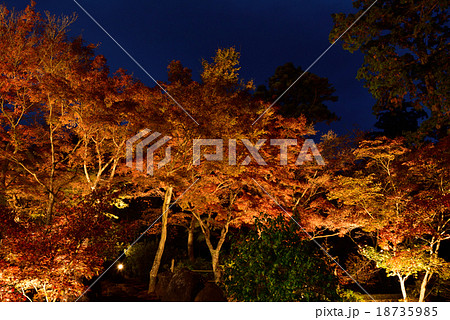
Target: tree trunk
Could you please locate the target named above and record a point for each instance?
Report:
(190, 244)
(51, 189)
(402, 286)
(162, 241)
(215, 265)
(4, 170)
(113, 172)
(215, 253)
(423, 286)
(223, 234)
(50, 206)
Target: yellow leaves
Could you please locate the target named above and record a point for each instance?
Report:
(381, 152)
(361, 192)
(110, 215)
(249, 85)
(329, 136)
(405, 262)
(120, 204)
(380, 148)
(224, 69)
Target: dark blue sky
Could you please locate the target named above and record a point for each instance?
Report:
(268, 33)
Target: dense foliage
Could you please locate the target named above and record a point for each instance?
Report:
(275, 263)
(70, 202)
(406, 48)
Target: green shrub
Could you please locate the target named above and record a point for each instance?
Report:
(275, 264)
(139, 259)
(350, 296)
(198, 264)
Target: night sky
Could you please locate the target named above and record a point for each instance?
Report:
(268, 33)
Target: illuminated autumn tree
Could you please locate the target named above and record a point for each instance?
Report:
(61, 111)
(222, 105)
(429, 211)
(36, 135)
(19, 104)
(51, 88)
(412, 239)
(230, 192)
(102, 118)
(399, 200)
(52, 265)
(160, 114)
(371, 198)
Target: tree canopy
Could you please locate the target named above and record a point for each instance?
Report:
(406, 47)
(251, 197)
(309, 95)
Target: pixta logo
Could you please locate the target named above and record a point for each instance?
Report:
(308, 151)
(253, 149)
(150, 150)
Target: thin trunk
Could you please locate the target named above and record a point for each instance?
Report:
(215, 253)
(51, 195)
(50, 206)
(423, 286)
(115, 161)
(190, 244)
(402, 286)
(162, 241)
(100, 165)
(113, 172)
(223, 234)
(4, 170)
(97, 180)
(86, 173)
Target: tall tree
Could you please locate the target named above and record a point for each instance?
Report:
(406, 47)
(397, 200)
(61, 110)
(102, 120)
(157, 112)
(309, 95)
(233, 182)
(55, 92)
(36, 98)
